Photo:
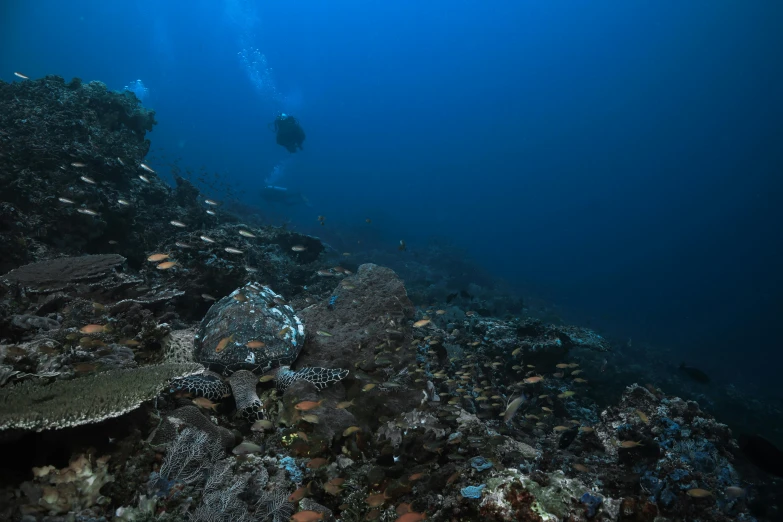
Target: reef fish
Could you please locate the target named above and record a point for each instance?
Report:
(695, 374)
(93, 328)
(308, 405)
(512, 408)
(246, 448)
(762, 453)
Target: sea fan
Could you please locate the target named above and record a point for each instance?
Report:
(274, 506)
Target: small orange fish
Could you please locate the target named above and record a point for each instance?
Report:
(309, 405)
(699, 493)
(334, 486)
(317, 463)
(643, 416)
(351, 430)
(85, 367)
(166, 265)
(157, 257)
(203, 402)
(534, 379)
(242, 298)
(628, 444)
(93, 328)
(130, 342)
(255, 344)
(416, 476)
(403, 508)
(581, 468)
(586, 429)
(412, 517)
(421, 323)
(453, 478)
(300, 493)
(307, 516)
(223, 343)
(377, 500)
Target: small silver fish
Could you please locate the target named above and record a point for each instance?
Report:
(22, 76)
(182, 245)
(88, 180)
(251, 270)
(211, 202)
(323, 333)
(144, 178)
(208, 297)
(512, 408)
(179, 224)
(123, 202)
(66, 200)
(207, 239)
(121, 162)
(86, 211)
(147, 168)
(262, 425)
(211, 212)
(246, 233)
(232, 250)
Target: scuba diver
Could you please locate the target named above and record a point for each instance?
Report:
(289, 133)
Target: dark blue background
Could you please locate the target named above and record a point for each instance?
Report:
(622, 159)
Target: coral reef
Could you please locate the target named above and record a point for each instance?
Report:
(477, 407)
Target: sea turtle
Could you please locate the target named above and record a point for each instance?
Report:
(248, 333)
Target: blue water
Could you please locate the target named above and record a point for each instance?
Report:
(622, 160)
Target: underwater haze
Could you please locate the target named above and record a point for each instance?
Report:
(620, 160)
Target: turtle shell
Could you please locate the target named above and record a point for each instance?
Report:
(250, 329)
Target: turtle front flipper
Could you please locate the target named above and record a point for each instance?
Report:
(206, 384)
(320, 377)
(249, 406)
